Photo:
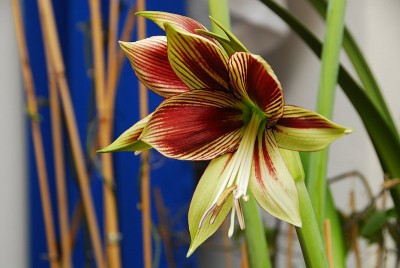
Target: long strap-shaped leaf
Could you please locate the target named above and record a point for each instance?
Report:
(381, 134)
(361, 66)
(316, 182)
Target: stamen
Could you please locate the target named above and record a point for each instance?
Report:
(238, 208)
(236, 177)
(232, 225)
(216, 207)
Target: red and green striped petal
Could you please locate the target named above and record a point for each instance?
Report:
(271, 183)
(149, 59)
(198, 62)
(197, 125)
(129, 140)
(302, 130)
(161, 18)
(251, 77)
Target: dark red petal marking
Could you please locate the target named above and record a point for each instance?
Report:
(197, 61)
(262, 157)
(149, 59)
(251, 76)
(297, 117)
(197, 125)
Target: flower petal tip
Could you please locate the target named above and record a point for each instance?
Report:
(348, 131)
(190, 252)
(298, 224)
(105, 150)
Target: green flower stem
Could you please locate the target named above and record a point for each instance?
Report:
(309, 235)
(256, 242)
(316, 181)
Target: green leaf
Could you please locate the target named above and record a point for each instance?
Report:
(375, 222)
(361, 66)
(316, 182)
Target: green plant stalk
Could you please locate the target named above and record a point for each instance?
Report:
(309, 235)
(360, 65)
(256, 242)
(337, 238)
(381, 134)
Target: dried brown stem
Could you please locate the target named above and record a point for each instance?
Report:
(110, 207)
(49, 29)
(145, 176)
(290, 245)
(354, 232)
(36, 135)
(163, 227)
(245, 256)
(328, 242)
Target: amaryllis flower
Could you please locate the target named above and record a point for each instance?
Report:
(224, 106)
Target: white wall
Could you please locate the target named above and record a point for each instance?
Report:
(13, 219)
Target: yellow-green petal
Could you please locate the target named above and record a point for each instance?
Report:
(162, 18)
(271, 182)
(129, 140)
(206, 192)
(302, 130)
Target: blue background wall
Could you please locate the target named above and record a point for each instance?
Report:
(173, 178)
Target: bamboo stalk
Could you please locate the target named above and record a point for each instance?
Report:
(145, 175)
(126, 35)
(328, 242)
(49, 28)
(115, 66)
(36, 135)
(115, 62)
(75, 222)
(59, 167)
(110, 207)
(354, 232)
